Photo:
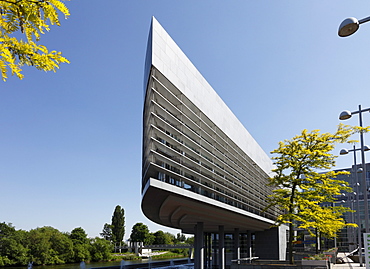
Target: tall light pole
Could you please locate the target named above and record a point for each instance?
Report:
(344, 152)
(350, 25)
(346, 115)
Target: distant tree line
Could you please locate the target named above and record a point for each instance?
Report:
(47, 245)
(140, 233)
(115, 232)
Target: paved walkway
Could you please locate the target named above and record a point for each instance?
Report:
(347, 265)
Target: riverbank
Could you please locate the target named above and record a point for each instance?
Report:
(109, 264)
(173, 263)
(159, 255)
(114, 261)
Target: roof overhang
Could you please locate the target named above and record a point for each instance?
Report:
(178, 208)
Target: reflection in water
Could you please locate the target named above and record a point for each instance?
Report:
(82, 265)
(150, 262)
(123, 264)
(88, 265)
(92, 265)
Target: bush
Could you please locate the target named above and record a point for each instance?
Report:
(47, 245)
(100, 249)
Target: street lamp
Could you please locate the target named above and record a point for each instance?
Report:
(346, 151)
(350, 25)
(357, 194)
(346, 115)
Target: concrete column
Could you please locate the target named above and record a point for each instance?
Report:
(249, 243)
(221, 247)
(215, 259)
(236, 238)
(209, 250)
(206, 250)
(271, 244)
(199, 246)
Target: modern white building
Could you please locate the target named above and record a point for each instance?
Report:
(202, 172)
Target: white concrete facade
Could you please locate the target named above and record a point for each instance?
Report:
(201, 168)
(169, 59)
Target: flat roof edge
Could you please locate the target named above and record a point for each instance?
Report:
(170, 60)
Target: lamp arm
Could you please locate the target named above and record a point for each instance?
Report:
(361, 110)
(364, 20)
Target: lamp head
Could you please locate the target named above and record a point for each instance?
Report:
(343, 152)
(348, 27)
(345, 115)
(366, 148)
(359, 170)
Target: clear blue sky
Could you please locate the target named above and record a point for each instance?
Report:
(70, 142)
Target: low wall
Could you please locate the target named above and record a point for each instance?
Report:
(269, 264)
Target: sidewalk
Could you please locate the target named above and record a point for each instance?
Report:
(348, 263)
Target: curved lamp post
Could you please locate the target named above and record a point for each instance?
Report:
(359, 170)
(346, 115)
(350, 25)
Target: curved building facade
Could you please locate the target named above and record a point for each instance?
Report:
(202, 172)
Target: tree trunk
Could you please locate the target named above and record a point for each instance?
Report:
(290, 243)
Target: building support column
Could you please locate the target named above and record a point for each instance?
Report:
(199, 246)
(236, 255)
(271, 244)
(249, 244)
(207, 250)
(221, 247)
(215, 259)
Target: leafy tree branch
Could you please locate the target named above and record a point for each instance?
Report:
(32, 18)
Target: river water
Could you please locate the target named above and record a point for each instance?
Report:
(78, 266)
(83, 265)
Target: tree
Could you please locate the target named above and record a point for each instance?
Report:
(180, 238)
(79, 236)
(101, 249)
(12, 247)
(118, 225)
(107, 232)
(32, 18)
(80, 244)
(140, 233)
(162, 238)
(81, 252)
(190, 240)
(49, 246)
(300, 188)
(170, 238)
(62, 244)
